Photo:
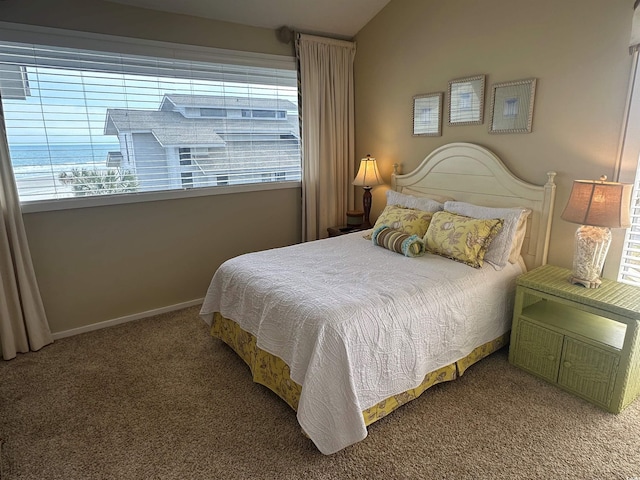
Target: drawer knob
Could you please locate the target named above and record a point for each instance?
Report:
(567, 364)
(551, 357)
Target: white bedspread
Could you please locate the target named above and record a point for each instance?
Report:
(357, 323)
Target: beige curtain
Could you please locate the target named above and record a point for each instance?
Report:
(23, 323)
(327, 105)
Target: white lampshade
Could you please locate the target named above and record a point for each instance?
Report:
(368, 174)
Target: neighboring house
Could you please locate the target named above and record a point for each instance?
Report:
(205, 140)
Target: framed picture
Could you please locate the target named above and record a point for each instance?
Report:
(512, 106)
(466, 101)
(427, 114)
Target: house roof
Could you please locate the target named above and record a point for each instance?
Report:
(169, 128)
(171, 101)
(173, 129)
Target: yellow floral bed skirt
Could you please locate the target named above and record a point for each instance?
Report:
(273, 373)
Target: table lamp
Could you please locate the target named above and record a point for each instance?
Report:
(598, 206)
(367, 177)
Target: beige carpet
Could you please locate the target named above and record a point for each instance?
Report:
(160, 399)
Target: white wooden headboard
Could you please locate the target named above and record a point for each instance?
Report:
(470, 173)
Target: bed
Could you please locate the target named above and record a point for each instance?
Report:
(346, 331)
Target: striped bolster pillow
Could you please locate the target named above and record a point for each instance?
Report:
(397, 241)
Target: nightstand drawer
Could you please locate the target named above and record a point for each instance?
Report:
(538, 350)
(588, 371)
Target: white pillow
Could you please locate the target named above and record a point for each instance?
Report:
(518, 240)
(507, 244)
(409, 201)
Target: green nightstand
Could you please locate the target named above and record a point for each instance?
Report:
(586, 341)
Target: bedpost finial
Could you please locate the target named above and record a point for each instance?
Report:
(396, 166)
(551, 176)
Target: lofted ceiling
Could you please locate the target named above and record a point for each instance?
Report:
(341, 18)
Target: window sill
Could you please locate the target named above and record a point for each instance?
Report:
(105, 200)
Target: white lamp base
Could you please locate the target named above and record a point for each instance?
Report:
(592, 245)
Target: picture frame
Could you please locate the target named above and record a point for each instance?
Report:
(512, 106)
(466, 101)
(427, 114)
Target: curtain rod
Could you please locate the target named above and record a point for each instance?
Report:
(286, 34)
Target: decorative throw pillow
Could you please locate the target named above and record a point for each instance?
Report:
(410, 201)
(508, 242)
(461, 238)
(408, 220)
(396, 241)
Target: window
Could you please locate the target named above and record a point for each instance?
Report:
(222, 180)
(155, 124)
(629, 172)
(279, 114)
(263, 114)
(187, 179)
(213, 112)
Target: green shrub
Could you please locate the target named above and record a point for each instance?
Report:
(85, 182)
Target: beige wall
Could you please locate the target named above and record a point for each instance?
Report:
(575, 48)
(97, 16)
(97, 264)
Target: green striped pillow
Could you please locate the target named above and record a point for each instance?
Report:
(398, 241)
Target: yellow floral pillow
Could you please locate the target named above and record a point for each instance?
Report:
(407, 220)
(461, 238)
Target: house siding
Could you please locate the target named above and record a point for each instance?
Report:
(150, 162)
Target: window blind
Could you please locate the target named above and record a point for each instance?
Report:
(630, 262)
(87, 122)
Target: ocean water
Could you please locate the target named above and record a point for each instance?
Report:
(78, 154)
(37, 167)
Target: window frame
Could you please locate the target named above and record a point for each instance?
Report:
(11, 32)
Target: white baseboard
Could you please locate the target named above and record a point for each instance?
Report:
(126, 318)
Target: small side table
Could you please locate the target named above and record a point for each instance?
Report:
(584, 340)
(343, 230)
